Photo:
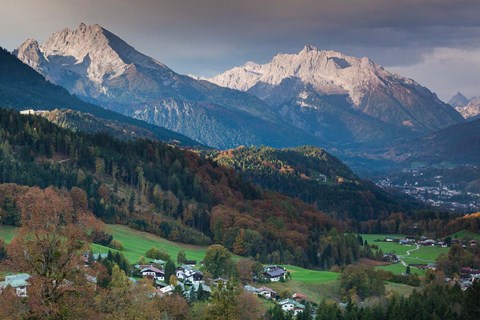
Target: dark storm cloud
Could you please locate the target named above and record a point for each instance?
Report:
(209, 36)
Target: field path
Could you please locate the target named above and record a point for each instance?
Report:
(408, 253)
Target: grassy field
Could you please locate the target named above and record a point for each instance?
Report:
(466, 234)
(401, 289)
(317, 285)
(423, 255)
(315, 291)
(311, 276)
(136, 243)
(6, 233)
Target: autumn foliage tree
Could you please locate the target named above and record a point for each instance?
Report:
(218, 261)
(48, 246)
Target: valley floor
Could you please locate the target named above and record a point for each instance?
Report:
(317, 285)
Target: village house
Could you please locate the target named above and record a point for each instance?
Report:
(442, 244)
(267, 293)
(190, 263)
(390, 257)
(153, 273)
(274, 273)
(299, 297)
(19, 282)
(427, 242)
(292, 305)
(189, 275)
(251, 289)
(167, 290)
(158, 262)
(193, 277)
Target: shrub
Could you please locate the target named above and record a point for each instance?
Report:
(155, 253)
(101, 237)
(117, 245)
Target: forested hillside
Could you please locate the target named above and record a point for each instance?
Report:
(316, 177)
(173, 193)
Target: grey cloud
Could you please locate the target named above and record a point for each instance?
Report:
(208, 36)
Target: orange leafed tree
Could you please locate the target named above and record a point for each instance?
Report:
(48, 246)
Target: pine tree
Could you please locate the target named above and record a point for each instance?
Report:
(201, 296)
(170, 270)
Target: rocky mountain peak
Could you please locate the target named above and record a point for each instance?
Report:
(90, 53)
(458, 100)
(309, 47)
(366, 86)
(471, 110)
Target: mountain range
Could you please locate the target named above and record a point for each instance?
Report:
(23, 88)
(99, 67)
(315, 97)
(336, 96)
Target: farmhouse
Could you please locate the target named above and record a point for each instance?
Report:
(152, 272)
(194, 277)
(190, 263)
(267, 293)
(299, 297)
(251, 289)
(390, 257)
(292, 305)
(17, 282)
(274, 273)
(427, 242)
(159, 262)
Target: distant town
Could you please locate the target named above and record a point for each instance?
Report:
(436, 190)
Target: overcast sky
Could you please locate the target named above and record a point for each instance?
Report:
(435, 42)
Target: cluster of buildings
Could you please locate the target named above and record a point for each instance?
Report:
(18, 282)
(296, 304)
(468, 276)
(438, 193)
(187, 278)
(422, 241)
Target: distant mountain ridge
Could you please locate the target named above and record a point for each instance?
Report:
(23, 88)
(324, 91)
(458, 100)
(96, 65)
(471, 110)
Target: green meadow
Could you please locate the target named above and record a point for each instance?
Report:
(423, 255)
(137, 243)
(466, 234)
(7, 232)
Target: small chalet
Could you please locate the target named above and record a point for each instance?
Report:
(168, 290)
(427, 242)
(193, 277)
(442, 244)
(153, 273)
(17, 282)
(274, 273)
(251, 289)
(390, 257)
(182, 270)
(190, 263)
(292, 305)
(267, 292)
(299, 297)
(159, 262)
